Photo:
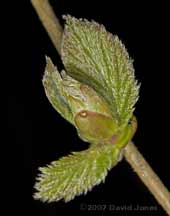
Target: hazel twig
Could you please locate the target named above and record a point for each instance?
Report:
(131, 153)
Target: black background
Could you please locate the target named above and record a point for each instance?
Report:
(43, 135)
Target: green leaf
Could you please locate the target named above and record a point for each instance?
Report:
(68, 96)
(75, 174)
(97, 58)
(53, 85)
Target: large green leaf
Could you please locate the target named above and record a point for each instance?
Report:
(99, 59)
(75, 174)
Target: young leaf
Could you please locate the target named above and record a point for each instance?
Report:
(68, 96)
(53, 85)
(75, 174)
(97, 58)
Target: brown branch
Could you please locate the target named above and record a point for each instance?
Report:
(50, 21)
(132, 155)
(148, 176)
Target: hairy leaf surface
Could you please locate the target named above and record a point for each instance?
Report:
(75, 174)
(97, 58)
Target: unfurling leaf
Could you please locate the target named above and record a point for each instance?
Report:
(73, 99)
(96, 94)
(53, 85)
(75, 174)
(97, 58)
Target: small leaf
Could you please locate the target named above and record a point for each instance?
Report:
(75, 174)
(82, 97)
(97, 58)
(53, 82)
(68, 96)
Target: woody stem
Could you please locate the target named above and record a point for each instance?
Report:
(49, 21)
(148, 176)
